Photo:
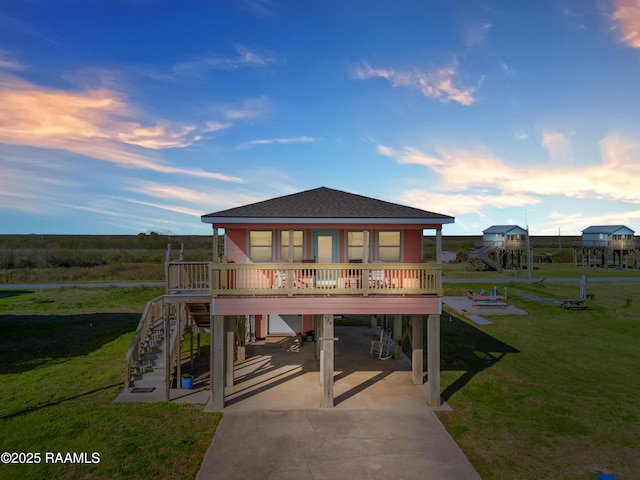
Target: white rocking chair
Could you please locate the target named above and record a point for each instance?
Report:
(382, 348)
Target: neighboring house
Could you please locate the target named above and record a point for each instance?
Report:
(291, 263)
(508, 237)
(502, 246)
(603, 245)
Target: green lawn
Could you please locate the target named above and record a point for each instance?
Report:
(61, 366)
(553, 394)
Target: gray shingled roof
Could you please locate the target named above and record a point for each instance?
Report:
(608, 229)
(502, 229)
(326, 203)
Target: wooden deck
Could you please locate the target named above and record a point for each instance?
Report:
(275, 279)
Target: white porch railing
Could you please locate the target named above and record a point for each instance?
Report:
(304, 278)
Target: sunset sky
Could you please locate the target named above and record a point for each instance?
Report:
(128, 116)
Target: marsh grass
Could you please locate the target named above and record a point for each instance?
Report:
(61, 366)
(553, 394)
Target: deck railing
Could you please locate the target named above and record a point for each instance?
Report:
(304, 278)
(611, 244)
(503, 245)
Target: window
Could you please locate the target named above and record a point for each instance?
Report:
(355, 245)
(298, 245)
(261, 246)
(389, 246)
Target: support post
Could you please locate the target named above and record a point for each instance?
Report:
(321, 345)
(397, 337)
(229, 350)
(417, 342)
(433, 359)
(439, 255)
(317, 334)
(179, 307)
(217, 370)
(365, 261)
(211, 357)
(167, 351)
(327, 348)
(214, 273)
(290, 259)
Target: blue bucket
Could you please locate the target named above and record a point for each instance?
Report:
(186, 382)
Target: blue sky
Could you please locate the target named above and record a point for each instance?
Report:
(128, 116)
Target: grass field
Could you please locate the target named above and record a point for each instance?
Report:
(553, 394)
(61, 366)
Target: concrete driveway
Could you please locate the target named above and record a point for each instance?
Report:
(381, 427)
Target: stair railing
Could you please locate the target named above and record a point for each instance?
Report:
(152, 312)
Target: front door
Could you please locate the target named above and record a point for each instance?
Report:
(326, 248)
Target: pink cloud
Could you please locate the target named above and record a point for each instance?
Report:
(437, 83)
(626, 17)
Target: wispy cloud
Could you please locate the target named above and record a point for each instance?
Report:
(200, 198)
(244, 58)
(626, 18)
(279, 141)
(247, 109)
(96, 123)
(476, 33)
(472, 173)
(437, 83)
(558, 146)
(9, 63)
(258, 7)
(460, 204)
(29, 176)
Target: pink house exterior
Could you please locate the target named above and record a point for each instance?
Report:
(291, 263)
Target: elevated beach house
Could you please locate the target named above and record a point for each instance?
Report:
(502, 246)
(606, 245)
(289, 264)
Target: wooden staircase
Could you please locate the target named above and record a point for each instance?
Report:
(151, 345)
(482, 255)
(200, 313)
(149, 370)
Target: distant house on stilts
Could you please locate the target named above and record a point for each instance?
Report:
(503, 246)
(606, 245)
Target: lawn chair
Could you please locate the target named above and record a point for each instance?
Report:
(382, 348)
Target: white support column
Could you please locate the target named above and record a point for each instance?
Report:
(290, 260)
(217, 370)
(417, 342)
(439, 255)
(214, 273)
(215, 245)
(397, 336)
(433, 359)
(365, 246)
(327, 340)
(365, 260)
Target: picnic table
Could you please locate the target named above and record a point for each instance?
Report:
(575, 304)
